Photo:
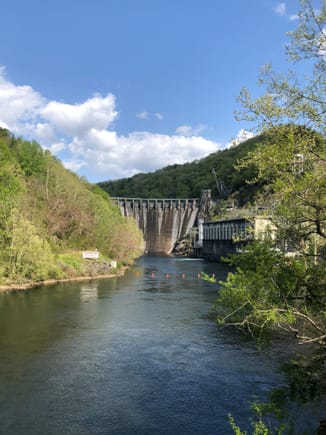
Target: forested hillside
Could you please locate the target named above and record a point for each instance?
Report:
(187, 180)
(48, 215)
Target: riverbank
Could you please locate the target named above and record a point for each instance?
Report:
(32, 284)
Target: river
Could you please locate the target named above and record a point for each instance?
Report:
(131, 355)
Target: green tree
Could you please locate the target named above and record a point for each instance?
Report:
(46, 210)
(31, 157)
(299, 98)
(29, 256)
(270, 290)
(293, 164)
(292, 112)
(126, 242)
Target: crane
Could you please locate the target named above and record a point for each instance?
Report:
(220, 186)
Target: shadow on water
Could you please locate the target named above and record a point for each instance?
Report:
(131, 355)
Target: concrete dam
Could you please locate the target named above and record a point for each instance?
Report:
(163, 221)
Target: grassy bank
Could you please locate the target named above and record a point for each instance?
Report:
(70, 267)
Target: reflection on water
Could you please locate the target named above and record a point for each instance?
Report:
(130, 355)
(88, 292)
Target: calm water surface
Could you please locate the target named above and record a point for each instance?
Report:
(132, 355)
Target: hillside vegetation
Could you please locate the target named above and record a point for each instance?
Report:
(48, 215)
(275, 291)
(187, 180)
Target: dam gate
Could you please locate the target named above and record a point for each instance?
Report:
(163, 221)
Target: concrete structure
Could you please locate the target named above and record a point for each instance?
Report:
(163, 221)
(224, 237)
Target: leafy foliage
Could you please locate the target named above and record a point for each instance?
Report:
(269, 291)
(29, 257)
(284, 289)
(46, 209)
(264, 419)
(295, 165)
(294, 97)
(188, 180)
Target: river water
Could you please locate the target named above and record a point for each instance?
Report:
(131, 355)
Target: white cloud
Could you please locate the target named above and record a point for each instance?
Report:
(280, 9)
(122, 156)
(242, 136)
(96, 112)
(142, 115)
(82, 135)
(18, 104)
(44, 132)
(147, 115)
(3, 125)
(74, 165)
(188, 130)
(322, 43)
(56, 147)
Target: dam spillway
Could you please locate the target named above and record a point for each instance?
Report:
(163, 221)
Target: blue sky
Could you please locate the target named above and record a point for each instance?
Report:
(116, 87)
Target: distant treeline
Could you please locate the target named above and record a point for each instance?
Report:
(48, 213)
(189, 179)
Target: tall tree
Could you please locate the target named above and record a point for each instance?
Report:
(295, 160)
(294, 97)
(269, 289)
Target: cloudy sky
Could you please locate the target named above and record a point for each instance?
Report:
(116, 87)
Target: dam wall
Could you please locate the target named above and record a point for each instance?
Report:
(163, 221)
